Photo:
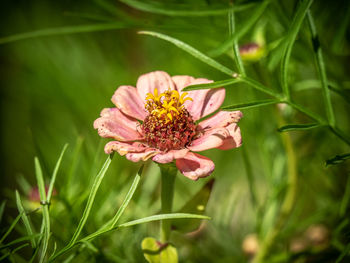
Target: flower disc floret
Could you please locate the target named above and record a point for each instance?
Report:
(169, 126)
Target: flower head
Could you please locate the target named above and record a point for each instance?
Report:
(157, 120)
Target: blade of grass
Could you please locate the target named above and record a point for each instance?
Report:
(164, 9)
(254, 16)
(62, 31)
(250, 105)
(91, 199)
(299, 127)
(45, 229)
(19, 240)
(54, 174)
(25, 219)
(321, 68)
(191, 50)
(290, 38)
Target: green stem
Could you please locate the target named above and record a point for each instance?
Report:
(168, 175)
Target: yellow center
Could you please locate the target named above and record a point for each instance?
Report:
(166, 105)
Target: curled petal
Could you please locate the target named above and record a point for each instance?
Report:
(157, 79)
(170, 156)
(124, 147)
(205, 101)
(114, 124)
(213, 138)
(127, 99)
(235, 138)
(195, 166)
(221, 119)
(142, 156)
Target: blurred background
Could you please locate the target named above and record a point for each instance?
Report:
(55, 82)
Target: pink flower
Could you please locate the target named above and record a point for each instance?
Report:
(157, 120)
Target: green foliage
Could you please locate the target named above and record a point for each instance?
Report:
(158, 253)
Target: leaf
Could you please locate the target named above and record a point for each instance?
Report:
(197, 205)
(249, 105)
(54, 174)
(62, 31)
(338, 159)
(290, 39)
(25, 219)
(178, 10)
(15, 221)
(213, 85)
(93, 191)
(19, 240)
(2, 209)
(299, 127)
(253, 18)
(191, 50)
(156, 252)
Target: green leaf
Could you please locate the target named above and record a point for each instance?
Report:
(197, 205)
(290, 39)
(249, 105)
(299, 127)
(191, 50)
(338, 159)
(25, 219)
(15, 221)
(91, 199)
(2, 209)
(156, 252)
(45, 227)
(54, 174)
(253, 18)
(178, 10)
(213, 85)
(62, 31)
(19, 240)
(127, 198)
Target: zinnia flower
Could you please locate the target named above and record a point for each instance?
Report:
(157, 120)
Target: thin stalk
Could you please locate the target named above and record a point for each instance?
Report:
(321, 69)
(168, 175)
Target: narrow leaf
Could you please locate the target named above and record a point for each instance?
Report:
(62, 31)
(253, 18)
(213, 85)
(191, 50)
(25, 219)
(338, 159)
(91, 199)
(249, 105)
(299, 127)
(178, 10)
(53, 178)
(15, 221)
(19, 240)
(2, 209)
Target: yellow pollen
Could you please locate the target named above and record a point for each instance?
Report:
(166, 105)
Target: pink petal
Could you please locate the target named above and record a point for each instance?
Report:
(170, 156)
(212, 138)
(114, 124)
(129, 102)
(124, 147)
(195, 166)
(205, 101)
(157, 79)
(235, 138)
(221, 119)
(142, 156)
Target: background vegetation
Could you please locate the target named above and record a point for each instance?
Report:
(56, 79)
